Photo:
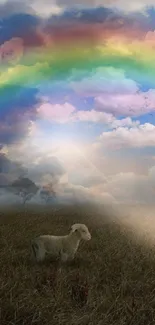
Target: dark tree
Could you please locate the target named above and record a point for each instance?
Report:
(24, 187)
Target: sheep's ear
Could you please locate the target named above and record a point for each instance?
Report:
(73, 228)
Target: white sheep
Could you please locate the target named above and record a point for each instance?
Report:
(63, 247)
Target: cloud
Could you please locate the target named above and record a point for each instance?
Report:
(53, 7)
(19, 24)
(80, 194)
(13, 129)
(124, 122)
(83, 3)
(86, 175)
(8, 199)
(94, 116)
(24, 75)
(17, 110)
(123, 5)
(130, 188)
(136, 137)
(39, 169)
(45, 170)
(62, 165)
(77, 193)
(101, 81)
(31, 54)
(49, 168)
(136, 104)
(46, 8)
(138, 5)
(70, 194)
(58, 113)
(85, 180)
(11, 51)
(9, 170)
(67, 113)
(8, 8)
(151, 175)
(63, 113)
(42, 171)
(150, 37)
(114, 93)
(25, 16)
(4, 181)
(13, 98)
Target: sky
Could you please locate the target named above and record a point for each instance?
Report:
(77, 97)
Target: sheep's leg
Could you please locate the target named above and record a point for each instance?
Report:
(38, 252)
(40, 255)
(34, 248)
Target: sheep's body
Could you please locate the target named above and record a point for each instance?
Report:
(63, 247)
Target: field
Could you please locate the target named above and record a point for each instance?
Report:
(111, 281)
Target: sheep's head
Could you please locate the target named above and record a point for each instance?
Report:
(81, 230)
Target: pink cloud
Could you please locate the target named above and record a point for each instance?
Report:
(67, 113)
(12, 51)
(150, 39)
(135, 104)
(56, 112)
(63, 113)
(114, 93)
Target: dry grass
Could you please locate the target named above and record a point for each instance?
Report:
(119, 271)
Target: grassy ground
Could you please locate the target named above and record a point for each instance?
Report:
(119, 271)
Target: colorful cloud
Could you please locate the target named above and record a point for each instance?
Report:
(77, 92)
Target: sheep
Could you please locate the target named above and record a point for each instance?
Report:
(62, 247)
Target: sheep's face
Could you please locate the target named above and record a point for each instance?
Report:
(82, 231)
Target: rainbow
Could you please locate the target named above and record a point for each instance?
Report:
(82, 47)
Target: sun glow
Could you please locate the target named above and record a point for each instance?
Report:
(70, 149)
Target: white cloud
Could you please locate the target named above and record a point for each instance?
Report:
(102, 117)
(47, 8)
(133, 5)
(130, 188)
(45, 170)
(151, 175)
(80, 3)
(84, 174)
(93, 116)
(86, 177)
(123, 137)
(81, 194)
(124, 122)
(43, 8)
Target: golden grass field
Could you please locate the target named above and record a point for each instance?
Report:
(118, 269)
